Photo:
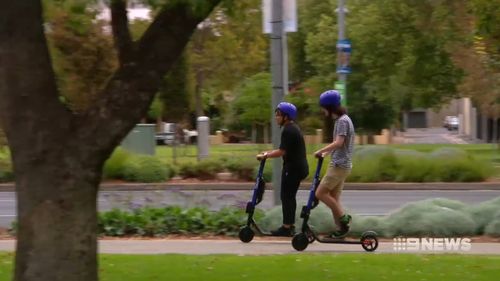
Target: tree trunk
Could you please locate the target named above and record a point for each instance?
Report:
(254, 133)
(370, 139)
(495, 137)
(266, 133)
(197, 94)
(361, 139)
(56, 202)
(58, 155)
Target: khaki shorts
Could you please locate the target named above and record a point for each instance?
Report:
(334, 179)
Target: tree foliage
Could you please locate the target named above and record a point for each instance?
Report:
(83, 54)
(253, 101)
(400, 59)
(227, 48)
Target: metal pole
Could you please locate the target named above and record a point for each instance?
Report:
(203, 128)
(341, 34)
(278, 86)
(174, 144)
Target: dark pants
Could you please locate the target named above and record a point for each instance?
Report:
(290, 182)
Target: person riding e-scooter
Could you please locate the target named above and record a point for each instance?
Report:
(341, 150)
(295, 168)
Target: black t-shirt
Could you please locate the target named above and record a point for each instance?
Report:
(292, 142)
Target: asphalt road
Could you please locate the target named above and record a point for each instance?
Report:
(363, 202)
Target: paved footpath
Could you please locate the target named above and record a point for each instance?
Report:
(256, 247)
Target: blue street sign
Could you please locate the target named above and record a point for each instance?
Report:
(344, 55)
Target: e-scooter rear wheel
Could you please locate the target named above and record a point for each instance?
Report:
(300, 241)
(369, 241)
(246, 234)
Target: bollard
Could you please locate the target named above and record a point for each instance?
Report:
(203, 127)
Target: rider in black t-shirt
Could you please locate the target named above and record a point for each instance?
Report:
(295, 167)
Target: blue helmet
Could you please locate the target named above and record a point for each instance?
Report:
(330, 98)
(287, 109)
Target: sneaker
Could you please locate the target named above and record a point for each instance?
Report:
(283, 231)
(345, 222)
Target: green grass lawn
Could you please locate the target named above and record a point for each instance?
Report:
(482, 152)
(300, 267)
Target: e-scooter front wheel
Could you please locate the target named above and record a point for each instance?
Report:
(246, 234)
(300, 241)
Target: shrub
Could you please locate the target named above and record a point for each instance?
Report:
(321, 220)
(369, 152)
(374, 164)
(115, 165)
(268, 172)
(448, 153)
(483, 213)
(272, 219)
(228, 221)
(173, 170)
(493, 228)
(116, 223)
(172, 218)
(6, 173)
(205, 169)
(388, 166)
(194, 220)
(151, 222)
(414, 166)
(465, 170)
(361, 224)
(415, 170)
(244, 170)
(188, 170)
(208, 169)
(365, 171)
(145, 169)
(435, 217)
(454, 165)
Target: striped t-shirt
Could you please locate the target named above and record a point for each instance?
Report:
(342, 157)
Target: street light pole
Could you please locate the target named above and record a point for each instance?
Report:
(342, 77)
(278, 84)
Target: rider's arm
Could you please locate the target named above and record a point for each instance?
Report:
(274, 153)
(337, 143)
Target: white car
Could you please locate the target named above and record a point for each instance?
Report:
(168, 133)
(451, 123)
(190, 136)
(165, 138)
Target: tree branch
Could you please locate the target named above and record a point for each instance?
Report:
(121, 32)
(130, 91)
(162, 35)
